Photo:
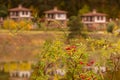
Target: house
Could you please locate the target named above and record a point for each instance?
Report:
(94, 20)
(19, 13)
(52, 17)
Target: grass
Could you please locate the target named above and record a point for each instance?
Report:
(25, 45)
(4, 76)
(109, 75)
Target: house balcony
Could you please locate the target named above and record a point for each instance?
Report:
(93, 22)
(52, 19)
(14, 16)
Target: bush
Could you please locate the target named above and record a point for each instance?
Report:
(21, 25)
(57, 63)
(77, 61)
(9, 24)
(24, 25)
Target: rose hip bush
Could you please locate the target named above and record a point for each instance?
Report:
(57, 62)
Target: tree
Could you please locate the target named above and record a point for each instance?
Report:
(75, 27)
(3, 11)
(110, 27)
(85, 9)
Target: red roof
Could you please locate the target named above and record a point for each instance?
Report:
(55, 10)
(19, 8)
(94, 13)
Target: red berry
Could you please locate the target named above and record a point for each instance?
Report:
(88, 64)
(89, 79)
(81, 62)
(83, 77)
(68, 48)
(73, 46)
(74, 50)
(92, 62)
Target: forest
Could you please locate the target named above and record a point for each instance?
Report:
(110, 7)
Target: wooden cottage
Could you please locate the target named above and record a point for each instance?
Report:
(20, 13)
(94, 20)
(56, 18)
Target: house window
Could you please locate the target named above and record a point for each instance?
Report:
(16, 13)
(23, 13)
(101, 17)
(48, 15)
(51, 16)
(87, 19)
(98, 18)
(59, 15)
(91, 19)
(84, 19)
(11, 13)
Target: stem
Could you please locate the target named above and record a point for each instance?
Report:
(101, 74)
(113, 73)
(75, 67)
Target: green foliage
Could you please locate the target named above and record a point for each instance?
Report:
(75, 27)
(17, 26)
(70, 60)
(73, 6)
(4, 75)
(3, 11)
(9, 24)
(110, 27)
(85, 9)
(74, 58)
(48, 60)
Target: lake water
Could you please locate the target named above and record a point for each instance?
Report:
(109, 75)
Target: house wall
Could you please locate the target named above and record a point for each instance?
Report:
(59, 23)
(20, 14)
(96, 26)
(94, 19)
(24, 15)
(56, 16)
(60, 16)
(14, 15)
(103, 20)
